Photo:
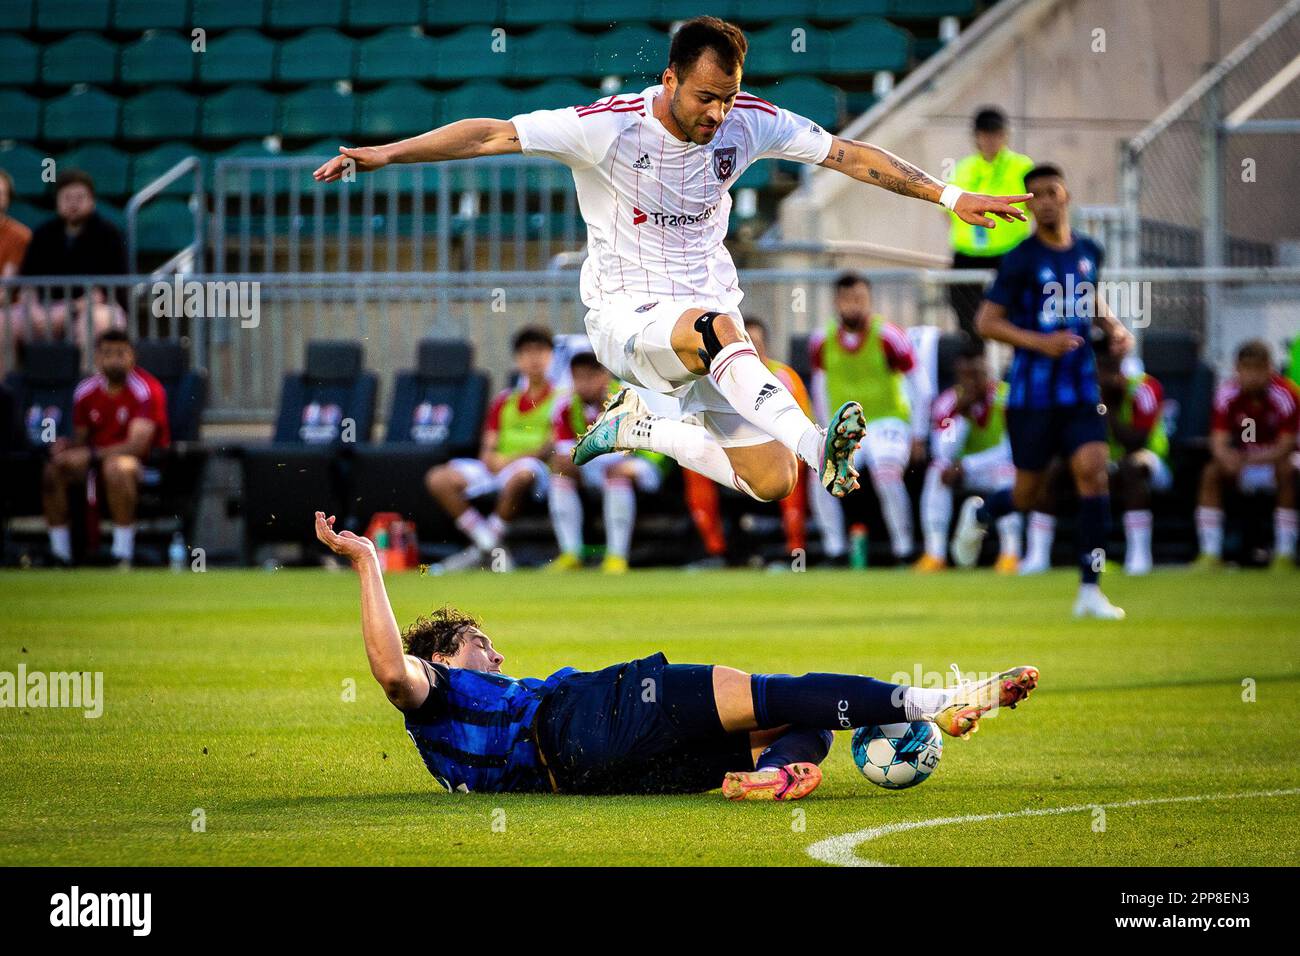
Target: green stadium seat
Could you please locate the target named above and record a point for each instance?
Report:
(479, 98)
(25, 164)
(398, 109)
(19, 60)
(555, 95)
(164, 112)
(296, 14)
(146, 167)
(109, 167)
(213, 15)
(734, 10)
(160, 56)
(870, 44)
(68, 15)
(164, 226)
(255, 148)
(383, 13)
(849, 9)
(318, 54)
(468, 54)
(20, 115)
(29, 215)
(402, 53)
(113, 214)
(609, 12)
(455, 13)
(131, 15)
(771, 50)
(549, 50)
(930, 9)
(240, 56)
(757, 176)
(529, 13)
(750, 12)
(807, 96)
(16, 14)
(238, 112)
(80, 58)
(318, 110)
(83, 113)
(632, 49)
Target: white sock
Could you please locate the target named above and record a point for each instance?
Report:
(61, 542)
(620, 516)
(830, 519)
(476, 529)
(1009, 534)
(566, 514)
(921, 702)
(1042, 533)
(123, 542)
(497, 528)
(691, 446)
(1137, 538)
(764, 402)
(1284, 532)
(936, 513)
(1209, 531)
(896, 507)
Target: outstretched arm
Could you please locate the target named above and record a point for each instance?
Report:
(991, 322)
(401, 676)
(879, 167)
(463, 139)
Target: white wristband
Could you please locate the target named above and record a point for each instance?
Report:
(948, 198)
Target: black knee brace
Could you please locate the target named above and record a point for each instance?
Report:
(704, 325)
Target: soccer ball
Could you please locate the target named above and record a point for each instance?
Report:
(898, 756)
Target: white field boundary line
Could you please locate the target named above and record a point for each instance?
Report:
(838, 850)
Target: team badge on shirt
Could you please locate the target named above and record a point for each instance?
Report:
(724, 162)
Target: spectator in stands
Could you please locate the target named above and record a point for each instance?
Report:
(78, 241)
(617, 477)
(1252, 438)
(862, 357)
(1139, 451)
(516, 444)
(991, 168)
(969, 448)
(702, 493)
(14, 236)
(119, 414)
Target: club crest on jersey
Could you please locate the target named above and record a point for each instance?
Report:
(724, 162)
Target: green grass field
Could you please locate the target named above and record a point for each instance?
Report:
(224, 693)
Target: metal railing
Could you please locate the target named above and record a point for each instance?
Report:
(188, 256)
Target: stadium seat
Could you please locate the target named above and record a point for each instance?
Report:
(146, 167)
(1173, 357)
(19, 60)
(238, 112)
(398, 109)
(734, 10)
(606, 13)
(41, 390)
(632, 49)
(79, 58)
(807, 96)
(29, 215)
(160, 56)
(110, 167)
(161, 113)
(22, 115)
(868, 45)
(187, 388)
(772, 52)
(750, 12)
(529, 13)
(240, 56)
(930, 9)
(25, 164)
(319, 110)
(213, 15)
(757, 176)
(402, 53)
(297, 14)
(454, 13)
(536, 55)
(165, 226)
(383, 13)
(848, 9)
(479, 98)
(132, 15)
(318, 54)
(68, 15)
(83, 113)
(468, 54)
(302, 465)
(555, 95)
(16, 14)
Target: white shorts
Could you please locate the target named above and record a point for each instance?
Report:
(480, 481)
(645, 474)
(1257, 478)
(887, 442)
(988, 470)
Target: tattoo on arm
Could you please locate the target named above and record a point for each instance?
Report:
(911, 182)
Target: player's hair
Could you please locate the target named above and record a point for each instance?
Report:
(442, 632)
(1256, 350)
(112, 335)
(725, 40)
(74, 177)
(532, 335)
(1042, 171)
(990, 119)
(584, 359)
(847, 280)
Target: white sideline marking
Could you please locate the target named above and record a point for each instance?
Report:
(838, 850)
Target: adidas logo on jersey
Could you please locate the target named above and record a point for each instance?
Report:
(643, 162)
(764, 393)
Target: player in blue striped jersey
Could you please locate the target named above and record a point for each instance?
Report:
(643, 726)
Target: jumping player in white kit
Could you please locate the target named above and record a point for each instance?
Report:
(652, 171)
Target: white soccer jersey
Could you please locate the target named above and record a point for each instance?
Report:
(657, 208)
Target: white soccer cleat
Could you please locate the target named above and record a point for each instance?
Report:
(1092, 603)
(465, 560)
(969, 536)
(612, 429)
(1028, 568)
(1137, 567)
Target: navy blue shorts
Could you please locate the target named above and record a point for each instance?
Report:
(1038, 435)
(645, 726)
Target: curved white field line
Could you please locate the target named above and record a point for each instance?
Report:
(838, 850)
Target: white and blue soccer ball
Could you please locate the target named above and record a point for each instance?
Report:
(898, 756)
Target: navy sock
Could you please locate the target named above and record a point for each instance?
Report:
(995, 506)
(825, 701)
(1094, 532)
(798, 745)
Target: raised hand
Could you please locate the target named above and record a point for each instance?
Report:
(363, 159)
(346, 544)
